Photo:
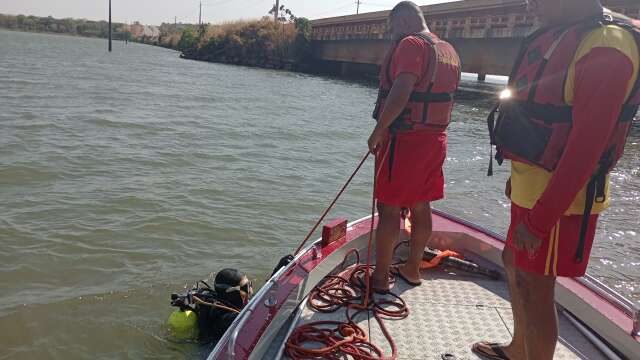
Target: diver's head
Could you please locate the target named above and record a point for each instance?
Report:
(406, 18)
(233, 286)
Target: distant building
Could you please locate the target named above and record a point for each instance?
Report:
(149, 31)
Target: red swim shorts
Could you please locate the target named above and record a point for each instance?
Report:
(411, 169)
(557, 255)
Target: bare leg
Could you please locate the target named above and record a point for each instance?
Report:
(421, 229)
(515, 350)
(387, 235)
(537, 293)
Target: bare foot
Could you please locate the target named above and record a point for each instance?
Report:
(380, 282)
(411, 276)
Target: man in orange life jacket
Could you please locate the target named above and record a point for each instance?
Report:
(417, 82)
(574, 95)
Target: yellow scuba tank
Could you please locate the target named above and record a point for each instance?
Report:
(183, 324)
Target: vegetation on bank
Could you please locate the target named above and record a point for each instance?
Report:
(285, 43)
(256, 43)
(70, 26)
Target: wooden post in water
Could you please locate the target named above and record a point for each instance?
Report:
(110, 47)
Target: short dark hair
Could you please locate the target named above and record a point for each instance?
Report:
(230, 277)
(406, 5)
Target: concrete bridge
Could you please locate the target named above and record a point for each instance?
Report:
(486, 34)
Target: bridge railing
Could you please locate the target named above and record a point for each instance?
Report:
(515, 23)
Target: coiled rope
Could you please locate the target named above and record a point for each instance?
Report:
(351, 290)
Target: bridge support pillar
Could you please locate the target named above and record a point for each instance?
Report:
(482, 77)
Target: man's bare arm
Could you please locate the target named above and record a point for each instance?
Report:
(397, 99)
(393, 107)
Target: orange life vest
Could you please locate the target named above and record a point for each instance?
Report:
(434, 86)
(534, 124)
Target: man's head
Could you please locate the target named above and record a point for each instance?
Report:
(406, 18)
(233, 286)
(554, 12)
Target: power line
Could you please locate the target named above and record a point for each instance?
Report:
(341, 7)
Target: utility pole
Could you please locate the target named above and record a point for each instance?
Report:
(200, 16)
(277, 12)
(110, 47)
(175, 21)
(358, 6)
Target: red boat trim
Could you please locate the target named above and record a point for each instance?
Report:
(290, 279)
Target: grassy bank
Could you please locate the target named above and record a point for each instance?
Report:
(263, 43)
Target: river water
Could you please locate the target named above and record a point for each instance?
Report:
(124, 176)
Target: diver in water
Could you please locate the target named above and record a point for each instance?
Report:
(207, 312)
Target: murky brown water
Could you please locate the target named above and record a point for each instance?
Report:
(124, 176)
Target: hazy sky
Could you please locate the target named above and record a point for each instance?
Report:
(158, 11)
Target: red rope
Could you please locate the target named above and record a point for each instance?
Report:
(336, 339)
(351, 290)
(344, 187)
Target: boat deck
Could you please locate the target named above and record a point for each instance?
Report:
(447, 314)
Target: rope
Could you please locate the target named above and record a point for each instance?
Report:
(344, 187)
(338, 339)
(351, 290)
(202, 302)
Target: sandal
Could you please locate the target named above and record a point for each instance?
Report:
(498, 354)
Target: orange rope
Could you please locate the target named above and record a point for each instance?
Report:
(339, 339)
(199, 301)
(344, 187)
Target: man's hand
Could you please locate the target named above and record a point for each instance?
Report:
(376, 139)
(507, 189)
(523, 239)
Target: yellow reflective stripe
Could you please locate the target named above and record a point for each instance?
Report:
(556, 241)
(550, 250)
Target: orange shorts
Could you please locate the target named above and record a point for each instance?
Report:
(412, 169)
(557, 255)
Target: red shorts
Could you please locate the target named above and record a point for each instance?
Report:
(557, 254)
(412, 169)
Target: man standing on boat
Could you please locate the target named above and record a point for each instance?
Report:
(574, 95)
(417, 81)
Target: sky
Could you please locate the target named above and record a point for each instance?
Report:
(155, 12)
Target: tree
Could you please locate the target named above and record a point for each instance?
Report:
(302, 43)
(188, 40)
(285, 15)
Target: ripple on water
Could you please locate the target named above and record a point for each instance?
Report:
(115, 193)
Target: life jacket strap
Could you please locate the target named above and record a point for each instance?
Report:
(628, 113)
(422, 97)
(595, 192)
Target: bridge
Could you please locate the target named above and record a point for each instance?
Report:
(486, 34)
